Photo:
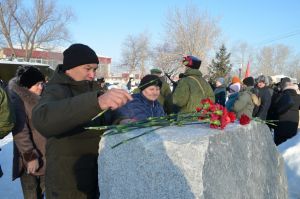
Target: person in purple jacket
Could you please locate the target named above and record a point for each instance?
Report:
(144, 103)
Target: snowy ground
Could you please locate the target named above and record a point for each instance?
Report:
(8, 189)
(290, 150)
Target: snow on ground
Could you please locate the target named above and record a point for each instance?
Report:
(290, 151)
(8, 189)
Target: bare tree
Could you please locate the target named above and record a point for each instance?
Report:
(242, 53)
(164, 58)
(293, 69)
(33, 25)
(136, 52)
(8, 26)
(273, 60)
(191, 32)
(282, 57)
(265, 61)
(278, 59)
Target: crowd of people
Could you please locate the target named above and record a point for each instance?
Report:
(55, 155)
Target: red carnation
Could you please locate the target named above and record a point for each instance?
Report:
(215, 114)
(213, 126)
(244, 120)
(207, 101)
(224, 118)
(212, 108)
(232, 116)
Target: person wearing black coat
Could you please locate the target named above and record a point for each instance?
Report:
(129, 83)
(70, 102)
(220, 91)
(287, 107)
(265, 94)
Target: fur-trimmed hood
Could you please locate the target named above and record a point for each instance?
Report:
(292, 86)
(30, 99)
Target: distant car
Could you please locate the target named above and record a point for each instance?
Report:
(276, 79)
(113, 85)
(8, 69)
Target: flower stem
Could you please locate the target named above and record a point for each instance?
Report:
(101, 113)
(132, 138)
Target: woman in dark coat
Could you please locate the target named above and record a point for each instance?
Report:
(287, 107)
(265, 94)
(144, 103)
(29, 145)
(220, 91)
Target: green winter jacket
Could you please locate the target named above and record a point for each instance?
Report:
(6, 115)
(165, 97)
(188, 93)
(65, 108)
(244, 103)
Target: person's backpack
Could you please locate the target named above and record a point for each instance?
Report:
(7, 118)
(255, 97)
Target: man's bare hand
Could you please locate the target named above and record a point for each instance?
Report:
(32, 166)
(113, 99)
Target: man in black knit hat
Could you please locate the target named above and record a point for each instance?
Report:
(69, 103)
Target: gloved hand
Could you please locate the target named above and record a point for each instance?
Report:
(1, 173)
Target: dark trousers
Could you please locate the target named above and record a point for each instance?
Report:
(33, 186)
(1, 173)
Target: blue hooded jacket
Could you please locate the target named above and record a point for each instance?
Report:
(140, 108)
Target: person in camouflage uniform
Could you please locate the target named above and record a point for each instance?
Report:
(165, 97)
(192, 88)
(6, 115)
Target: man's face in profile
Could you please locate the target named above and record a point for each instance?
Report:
(83, 72)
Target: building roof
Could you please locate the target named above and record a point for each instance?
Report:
(36, 54)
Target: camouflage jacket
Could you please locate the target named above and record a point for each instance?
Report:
(191, 90)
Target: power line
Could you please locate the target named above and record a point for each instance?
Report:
(287, 35)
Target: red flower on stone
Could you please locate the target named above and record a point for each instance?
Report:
(198, 109)
(206, 101)
(244, 120)
(232, 116)
(216, 114)
(224, 118)
(213, 126)
(205, 112)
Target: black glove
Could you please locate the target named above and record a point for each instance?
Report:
(1, 173)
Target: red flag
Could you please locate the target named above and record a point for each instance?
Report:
(247, 73)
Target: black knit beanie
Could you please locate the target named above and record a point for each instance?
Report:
(248, 81)
(27, 76)
(78, 54)
(150, 80)
(191, 62)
